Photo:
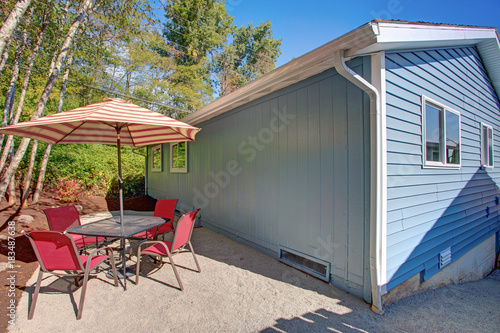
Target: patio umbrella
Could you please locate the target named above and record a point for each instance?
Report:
(113, 121)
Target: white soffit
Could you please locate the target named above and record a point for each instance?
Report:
(404, 36)
(372, 37)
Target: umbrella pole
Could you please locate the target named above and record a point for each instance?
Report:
(120, 187)
(120, 182)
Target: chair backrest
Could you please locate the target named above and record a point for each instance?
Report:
(55, 251)
(184, 229)
(62, 218)
(165, 208)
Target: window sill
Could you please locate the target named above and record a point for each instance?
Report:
(178, 171)
(441, 166)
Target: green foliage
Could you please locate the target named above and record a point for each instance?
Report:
(133, 186)
(122, 51)
(93, 166)
(195, 27)
(211, 54)
(193, 30)
(251, 54)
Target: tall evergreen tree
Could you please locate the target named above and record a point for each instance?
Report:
(194, 29)
(251, 54)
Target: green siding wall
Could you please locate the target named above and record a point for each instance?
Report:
(302, 183)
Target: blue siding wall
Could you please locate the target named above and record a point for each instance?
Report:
(302, 185)
(430, 210)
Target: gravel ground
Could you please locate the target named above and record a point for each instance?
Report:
(241, 290)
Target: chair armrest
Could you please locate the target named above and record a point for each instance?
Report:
(149, 242)
(154, 242)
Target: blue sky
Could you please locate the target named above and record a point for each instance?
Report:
(304, 25)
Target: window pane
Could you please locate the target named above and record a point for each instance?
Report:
(452, 138)
(182, 155)
(432, 133)
(157, 158)
(179, 155)
(484, 148)
(175, 156)
(490, 147)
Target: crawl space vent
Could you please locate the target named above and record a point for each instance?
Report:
(445, 257)
(307, 264)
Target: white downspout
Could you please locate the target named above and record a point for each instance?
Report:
(377, 201)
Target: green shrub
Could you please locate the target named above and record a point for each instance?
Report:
(133, 186)
(93, 167)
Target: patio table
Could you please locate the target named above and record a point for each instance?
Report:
(111, 227)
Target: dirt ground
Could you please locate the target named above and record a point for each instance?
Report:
(25, 261)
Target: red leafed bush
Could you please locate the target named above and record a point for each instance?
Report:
(66, 190)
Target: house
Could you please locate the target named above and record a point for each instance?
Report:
(371, 162)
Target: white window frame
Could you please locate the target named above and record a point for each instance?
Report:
(441, 164)
(153, 148)
(484, 154)
(178, 170)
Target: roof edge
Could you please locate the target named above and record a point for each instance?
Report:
(374, 36)
(307, 65)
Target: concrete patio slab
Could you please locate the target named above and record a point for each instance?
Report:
(242, 290)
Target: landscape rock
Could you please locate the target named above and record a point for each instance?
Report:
(26, 219)
(79, 208)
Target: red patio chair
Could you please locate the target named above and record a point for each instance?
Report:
(63, 218)
(164, 208)
(56, 251)
(182, 237)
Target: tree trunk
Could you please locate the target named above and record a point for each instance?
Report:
(9, 101)
(12, 192)
(45, 95)
(12, 21)
(24, 89)
(5, 55)
(46, 155)
(28, 176)
(12, 185)
(41, 175)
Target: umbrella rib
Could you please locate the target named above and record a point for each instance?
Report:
(131, 137)
(69, 133)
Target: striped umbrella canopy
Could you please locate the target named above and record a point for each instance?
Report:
(113, 121)
(99, 124)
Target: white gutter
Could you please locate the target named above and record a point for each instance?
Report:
(378, 199)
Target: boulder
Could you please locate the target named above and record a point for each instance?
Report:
(26, 219)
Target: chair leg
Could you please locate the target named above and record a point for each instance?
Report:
(113, 268)
(138, 266)
(82, 296)
(175, 270)
(194, 256)
(35, 295)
